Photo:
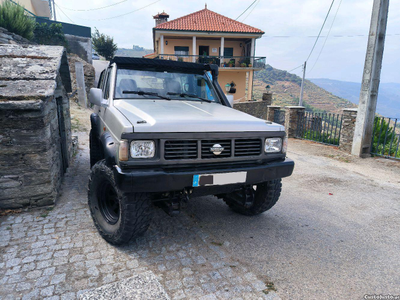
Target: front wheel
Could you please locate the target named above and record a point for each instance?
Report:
(265, 196)
(118, 216)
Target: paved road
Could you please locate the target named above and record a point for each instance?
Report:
(334, 234)
(58, 254)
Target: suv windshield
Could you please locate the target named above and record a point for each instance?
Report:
(137, 84)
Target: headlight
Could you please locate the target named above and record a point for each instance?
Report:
(142, 149)
(273, 145)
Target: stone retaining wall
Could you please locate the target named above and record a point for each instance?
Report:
(7, 37)
(257, 109)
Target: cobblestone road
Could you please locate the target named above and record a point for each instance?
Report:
(58, 254)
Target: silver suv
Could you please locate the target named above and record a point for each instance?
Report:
(163, 132)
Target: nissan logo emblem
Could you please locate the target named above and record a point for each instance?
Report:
(216, 149)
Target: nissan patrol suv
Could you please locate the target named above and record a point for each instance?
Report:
(164, 132)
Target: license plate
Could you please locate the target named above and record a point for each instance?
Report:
(219, 179)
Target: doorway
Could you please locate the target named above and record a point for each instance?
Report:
(204, 50)
(63, 135)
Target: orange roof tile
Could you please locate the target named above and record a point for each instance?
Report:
(207, 20)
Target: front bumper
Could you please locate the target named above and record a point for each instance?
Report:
(150, 180)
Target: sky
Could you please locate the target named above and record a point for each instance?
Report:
(290, 29)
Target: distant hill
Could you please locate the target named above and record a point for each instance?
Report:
(388, 97)
(136, 51)
(286, 89)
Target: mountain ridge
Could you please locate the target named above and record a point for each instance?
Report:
(388, 96)
(286, 90)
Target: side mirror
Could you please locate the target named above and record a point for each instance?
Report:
(96, 97)
(230, 99)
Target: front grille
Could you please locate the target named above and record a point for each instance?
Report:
(248, 147)
(207, 144)
(185, 149)
(188, 149)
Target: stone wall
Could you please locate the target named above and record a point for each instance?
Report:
(81, 46)
(31, 161)
(88, 71)
(257, 109)
(292, 119)
(7, 37)
(348, 126)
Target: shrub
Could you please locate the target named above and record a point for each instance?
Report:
(50, 35)
(383, 133)
(13, 18)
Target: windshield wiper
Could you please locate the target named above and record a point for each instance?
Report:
(191, 96)
(141, 93)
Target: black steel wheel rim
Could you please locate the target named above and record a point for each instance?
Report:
(108, 203)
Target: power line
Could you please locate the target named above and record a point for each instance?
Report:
(246, 9)
(324, 36)
(251, 10)
(90, 9)
(121, 14)
(64, 13)
(319, 54)
(322, 27)
(295, 68)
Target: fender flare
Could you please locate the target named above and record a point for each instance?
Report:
(109, 148)
(95, 123)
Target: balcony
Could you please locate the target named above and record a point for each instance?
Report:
(229, 63)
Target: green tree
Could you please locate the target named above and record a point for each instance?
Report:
(50, 35)
(13, 18)
(104, 44)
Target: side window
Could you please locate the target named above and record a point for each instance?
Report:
(106, 86)
(101, 79)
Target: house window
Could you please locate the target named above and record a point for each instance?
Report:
(179, 50)
(227, 52)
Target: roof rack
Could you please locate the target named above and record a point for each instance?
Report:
(163, 65)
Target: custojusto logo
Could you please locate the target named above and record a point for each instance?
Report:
(217, 149)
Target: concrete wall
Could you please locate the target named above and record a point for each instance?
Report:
(238, 77)
(27, 4)
(81, 46)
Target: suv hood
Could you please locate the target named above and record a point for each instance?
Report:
(188, 116)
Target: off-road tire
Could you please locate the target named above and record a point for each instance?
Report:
(265, 197)
(96, 152)
(135, 209)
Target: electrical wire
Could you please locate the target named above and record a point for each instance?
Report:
(90, 9)
(324, 36)
(64, 13)
(322, 27)
(251, 10)
(319, 54)
(246, 9)
(295, 68)
(121, 14)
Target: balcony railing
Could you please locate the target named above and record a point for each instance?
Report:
(238, 62)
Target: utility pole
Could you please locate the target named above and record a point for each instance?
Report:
(370, 82)
(302, 84)
(54, 11)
